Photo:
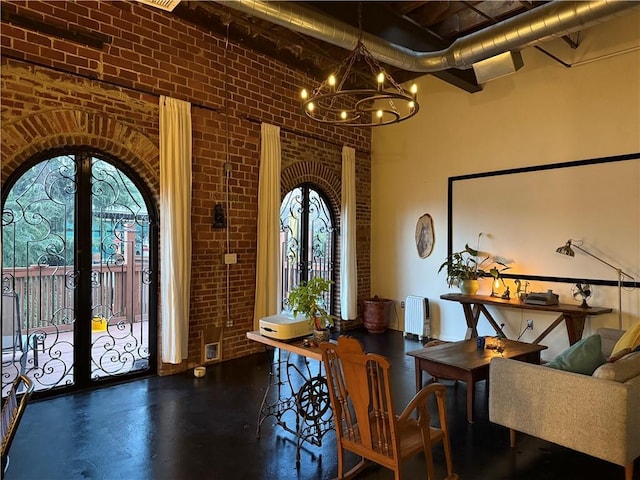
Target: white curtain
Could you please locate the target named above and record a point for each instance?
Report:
(268, 257)
(348, 262)
(175, 226)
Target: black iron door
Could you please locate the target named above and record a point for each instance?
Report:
(78, 273)
(306, 238)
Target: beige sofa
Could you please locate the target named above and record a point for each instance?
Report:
(591, 415)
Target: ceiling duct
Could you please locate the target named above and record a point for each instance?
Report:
(554, 19)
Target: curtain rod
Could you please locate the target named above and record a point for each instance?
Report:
(107, 82)
(147, 92)
(253, 119)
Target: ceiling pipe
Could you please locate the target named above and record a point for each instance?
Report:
(554, 19)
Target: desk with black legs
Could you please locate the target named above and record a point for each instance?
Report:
(573, 316)
(296, 392)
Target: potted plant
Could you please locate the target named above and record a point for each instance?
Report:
(465, 267)
(308, 299)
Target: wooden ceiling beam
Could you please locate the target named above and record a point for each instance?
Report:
(404, 8)
(432, 13)
(239, 32)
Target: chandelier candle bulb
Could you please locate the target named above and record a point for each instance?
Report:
(380, 80)
(332, 82)
(304, 94)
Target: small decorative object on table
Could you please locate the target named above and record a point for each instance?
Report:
(521, 289)
(308, 299)
(495, 343)
(582, 290)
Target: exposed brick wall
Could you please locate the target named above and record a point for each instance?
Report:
(58, 93)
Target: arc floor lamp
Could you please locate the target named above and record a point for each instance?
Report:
(567, 250)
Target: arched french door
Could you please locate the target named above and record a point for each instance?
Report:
(79, 263)
(307, 239)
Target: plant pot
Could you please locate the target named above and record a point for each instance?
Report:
(469, 287)
(320, 336)
(376, 314)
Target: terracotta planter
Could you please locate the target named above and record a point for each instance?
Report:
(377, 313)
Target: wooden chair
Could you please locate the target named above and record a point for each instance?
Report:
(12, 410)
(363, 412)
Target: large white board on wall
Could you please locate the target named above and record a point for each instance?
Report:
(525, 214)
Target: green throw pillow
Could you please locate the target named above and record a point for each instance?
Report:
(581, 357)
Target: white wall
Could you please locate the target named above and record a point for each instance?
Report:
(545, 113)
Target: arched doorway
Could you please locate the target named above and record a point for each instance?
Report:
(79, 268)
(307, 239)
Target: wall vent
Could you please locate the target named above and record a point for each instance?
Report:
(167, 5)
(211, 344)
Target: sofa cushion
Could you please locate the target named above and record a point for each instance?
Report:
(622, 370)
(583, 356)
(619, 355)
(630, 339)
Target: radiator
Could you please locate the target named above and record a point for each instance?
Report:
(416, 317)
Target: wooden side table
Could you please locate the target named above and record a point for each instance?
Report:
(464, 361)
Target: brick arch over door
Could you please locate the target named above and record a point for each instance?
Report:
(317, 174)
(51, 129)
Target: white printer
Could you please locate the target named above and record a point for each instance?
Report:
(285, 326)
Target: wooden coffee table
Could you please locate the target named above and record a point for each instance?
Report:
(463, 361)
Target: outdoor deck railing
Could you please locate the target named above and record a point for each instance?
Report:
(46, 294)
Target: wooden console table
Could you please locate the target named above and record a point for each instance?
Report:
(573, 316)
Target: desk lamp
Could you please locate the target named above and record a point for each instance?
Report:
(567, 250)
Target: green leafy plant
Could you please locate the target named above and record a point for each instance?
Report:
(467, 265)
(308, 299)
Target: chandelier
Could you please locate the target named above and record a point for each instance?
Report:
(380, 101)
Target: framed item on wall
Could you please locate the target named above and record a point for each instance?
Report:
(526, 213)
(424, 235)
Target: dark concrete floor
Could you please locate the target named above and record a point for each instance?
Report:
(180, 427)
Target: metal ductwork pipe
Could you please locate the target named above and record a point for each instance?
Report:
(554, 19)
